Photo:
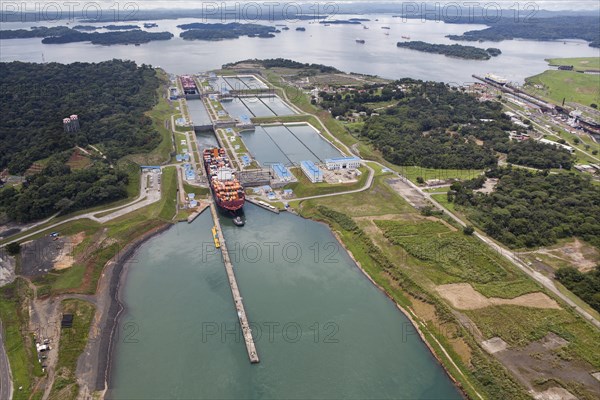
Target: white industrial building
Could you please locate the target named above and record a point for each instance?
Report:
(334, 164)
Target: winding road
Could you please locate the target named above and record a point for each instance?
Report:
(148, 194)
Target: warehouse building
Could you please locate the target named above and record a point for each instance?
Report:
(337, 163)
(312, 172)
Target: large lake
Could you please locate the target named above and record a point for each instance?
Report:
(331, 45)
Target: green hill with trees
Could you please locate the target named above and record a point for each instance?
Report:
(529, 209)
(110, 99)
(436, 126)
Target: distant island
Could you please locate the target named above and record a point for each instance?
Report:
(35, 32)
(555, 28)
(86, 27)
(286, 63)
(120, 27)
(452, 50)
(301, 29)
(63, 34)
(233, 30)
(341, 22)
(108, 38)
(150, 25)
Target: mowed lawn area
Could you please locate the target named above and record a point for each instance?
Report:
(579, 64)
(572, 86)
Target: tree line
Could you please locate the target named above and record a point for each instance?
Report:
(585, 285)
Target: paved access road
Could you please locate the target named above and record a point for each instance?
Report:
(149, 193)
(6, 387)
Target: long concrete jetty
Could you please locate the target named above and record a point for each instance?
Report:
(235, 291)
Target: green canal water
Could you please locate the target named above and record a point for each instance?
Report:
(322, 330)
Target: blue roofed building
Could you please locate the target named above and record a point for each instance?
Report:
(282, 172)
(312, 172)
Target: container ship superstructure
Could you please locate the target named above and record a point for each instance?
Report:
(227, 190)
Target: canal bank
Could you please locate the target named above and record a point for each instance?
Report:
(322, 329)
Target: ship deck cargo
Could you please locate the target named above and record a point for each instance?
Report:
(227, 191)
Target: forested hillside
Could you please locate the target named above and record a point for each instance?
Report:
(530, 209)
(58, 189)
(436, 126)
(110, 99)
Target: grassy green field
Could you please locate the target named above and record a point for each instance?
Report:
(569, 85)
(72, 344)
(452, 257)
(363, 204)
(412, 172)
(168, 201)
(579, 64)
(305, 188)
(199, 191)
(18, 345)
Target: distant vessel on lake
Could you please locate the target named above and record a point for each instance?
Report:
(361, 41)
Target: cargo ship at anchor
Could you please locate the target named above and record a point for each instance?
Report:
(227, 190)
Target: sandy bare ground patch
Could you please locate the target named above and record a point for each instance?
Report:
(65, 258)
(540, 362)
(579, 254)
(462, 296)
(494, 345)
(488, 186)
(411, 195)
(555, 393)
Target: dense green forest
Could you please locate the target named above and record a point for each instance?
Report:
(285, 63)
(585, 285)
(58, 189)
(63, 34)
(436, 126)
(452, 50)
(554, 28)
(539, 155)
(110, 99)
(233, 30)
(529, 209)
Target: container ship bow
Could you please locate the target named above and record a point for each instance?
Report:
(227, 191)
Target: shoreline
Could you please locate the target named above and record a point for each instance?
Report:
(116, 308)
(408, 313)
(107, 318)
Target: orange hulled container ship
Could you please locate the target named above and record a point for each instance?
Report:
(227, 191)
